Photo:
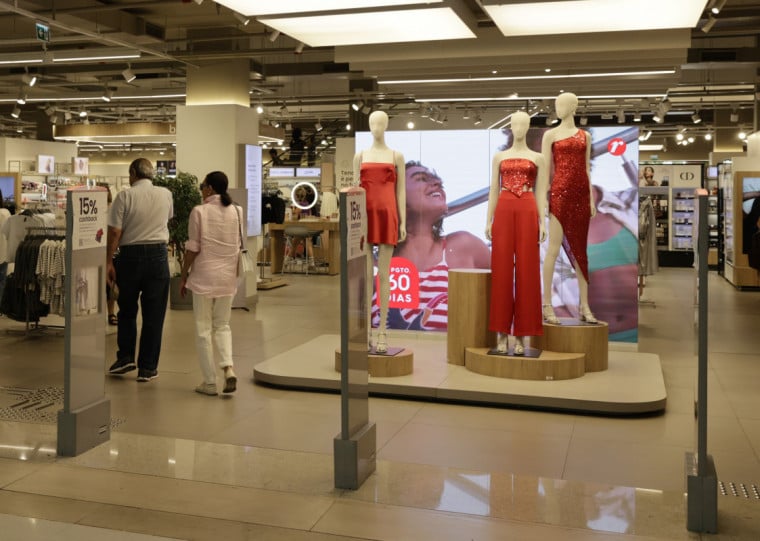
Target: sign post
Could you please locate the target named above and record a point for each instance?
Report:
(355, 448)
(85, 420)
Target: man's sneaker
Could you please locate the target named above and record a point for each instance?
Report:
(206, 388)
(146, 375)
(122, 366)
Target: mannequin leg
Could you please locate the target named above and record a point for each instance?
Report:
(584, 309)
(384, 255)
(555, 241)
(501, 342)
(519, 345)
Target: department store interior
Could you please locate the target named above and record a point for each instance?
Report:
(593, 433)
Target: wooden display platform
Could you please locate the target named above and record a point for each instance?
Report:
(574, 336)
(548, 366)
(385, 366)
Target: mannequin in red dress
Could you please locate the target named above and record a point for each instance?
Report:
(515, 224)
(381, 171)
(571, 202)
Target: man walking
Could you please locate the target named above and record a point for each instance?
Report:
(137, 226)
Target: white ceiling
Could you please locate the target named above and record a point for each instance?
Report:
(318, 84)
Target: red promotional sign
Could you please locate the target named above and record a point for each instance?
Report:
(405, 284)
(616, 146)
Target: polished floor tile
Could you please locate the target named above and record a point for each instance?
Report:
(33, 529)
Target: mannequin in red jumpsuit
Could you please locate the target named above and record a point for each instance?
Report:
(378, 169)
(515, 224)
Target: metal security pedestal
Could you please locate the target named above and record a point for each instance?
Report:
(701, 477)
(356, 446)
(85, 420)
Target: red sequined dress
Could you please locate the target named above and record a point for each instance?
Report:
(570, 196)
(515, 265)
(379, 180)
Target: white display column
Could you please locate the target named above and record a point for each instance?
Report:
(213, 124)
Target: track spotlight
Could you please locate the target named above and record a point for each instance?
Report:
(21, 100)
(734, 116)
(30, 80)
(242, 19)
(695, 118)
(621, 116)
(466, 114)
(708, 136)
(260, 108)
(82, 114)
(366, 109)
(410, 125)
(16, 112)
(709, 24)
(478, 120)
(49, 110)
(637, 117)
(283, 109)
(357, 105)
(274, 35)
(67, 116)
(584, 120)
(299, 48)
(199, 2)
(742, 134)
(107, 94)
(128, 74)
(718, 6)
(348, 127)
(318, 126)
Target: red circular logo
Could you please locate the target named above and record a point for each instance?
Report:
(616, 146)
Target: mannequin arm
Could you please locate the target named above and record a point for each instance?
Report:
(357, 169)
(588, 173)
(542, 188)
(493, 193)
(401, 195)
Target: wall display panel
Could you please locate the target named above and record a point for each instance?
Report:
(455, 191)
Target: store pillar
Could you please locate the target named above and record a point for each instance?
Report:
(213, 125)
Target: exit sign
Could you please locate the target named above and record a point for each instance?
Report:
(43, 32)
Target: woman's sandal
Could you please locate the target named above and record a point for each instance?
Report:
(382, 343)
(519, 349)
(112, 319)
(587, 315)
(549, 315)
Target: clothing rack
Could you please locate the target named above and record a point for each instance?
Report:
(32, 325)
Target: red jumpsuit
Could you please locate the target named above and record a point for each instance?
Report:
(515, 266)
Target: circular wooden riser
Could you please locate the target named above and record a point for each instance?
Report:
(546, 367)
(469, 295)
(386, 366)
(573, 337)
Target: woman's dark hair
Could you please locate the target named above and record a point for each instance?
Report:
(438, 225)
(218, 182)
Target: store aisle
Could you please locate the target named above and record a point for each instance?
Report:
(444, 471)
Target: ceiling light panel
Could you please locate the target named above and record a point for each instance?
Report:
(579, 16)
(373, 27)
(282, 7)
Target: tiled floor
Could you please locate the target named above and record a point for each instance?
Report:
(258, 465)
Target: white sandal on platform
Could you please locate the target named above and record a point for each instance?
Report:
(587, 315)
(549, 315)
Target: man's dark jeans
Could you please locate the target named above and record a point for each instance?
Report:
(142, 273)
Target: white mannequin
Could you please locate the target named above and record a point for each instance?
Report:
(565, 106)
(379, 152)
(519, 149)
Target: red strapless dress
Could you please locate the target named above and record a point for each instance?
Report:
(379, 181)
(570, 196)
(515, 262)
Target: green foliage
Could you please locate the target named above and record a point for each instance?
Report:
(184, 189)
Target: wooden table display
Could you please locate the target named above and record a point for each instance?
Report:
(330, 230)
(574, 336)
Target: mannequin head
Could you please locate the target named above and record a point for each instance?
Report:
(566, 104)
(520, 124)
(378, 123)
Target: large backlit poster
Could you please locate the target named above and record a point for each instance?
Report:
(448, 176)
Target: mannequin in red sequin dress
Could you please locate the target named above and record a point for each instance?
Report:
(378, 170)
(515, 224)
(571, 202)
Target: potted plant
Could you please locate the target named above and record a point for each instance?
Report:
(184, 189)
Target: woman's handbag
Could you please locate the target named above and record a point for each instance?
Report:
(245, 262)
